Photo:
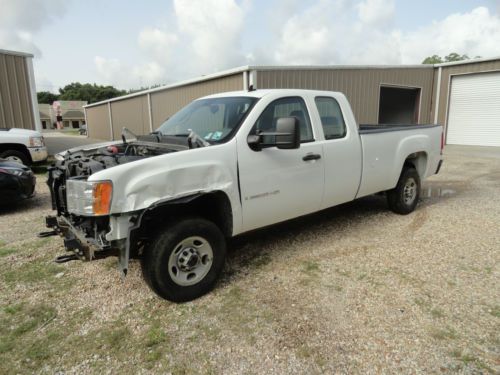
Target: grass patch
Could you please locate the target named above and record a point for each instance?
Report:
(343, 273)
(32, 272)
(4, 251)
(447, 333)
(469, 359)
(437, 313)
(362, 276)
(310, 267)
(261, 260)
(422, 303)
(495, 311)
(155, 336)
(20, 320)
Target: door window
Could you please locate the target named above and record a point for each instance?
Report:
(285, 107)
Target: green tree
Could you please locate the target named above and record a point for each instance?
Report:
(89, 92)
(455, 57)
(46, 97)
(435, 59)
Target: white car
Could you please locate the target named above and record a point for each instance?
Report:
(22, 145)
(224, 165)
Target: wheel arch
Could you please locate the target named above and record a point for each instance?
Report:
(214, 206)
(16, 147)
(419, 161)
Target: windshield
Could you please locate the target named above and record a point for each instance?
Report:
(212, 119)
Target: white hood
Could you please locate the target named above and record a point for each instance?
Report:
(24, 132)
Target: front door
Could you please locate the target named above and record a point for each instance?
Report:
(277, 185)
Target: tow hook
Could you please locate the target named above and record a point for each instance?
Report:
(66, 258)
(47, 234)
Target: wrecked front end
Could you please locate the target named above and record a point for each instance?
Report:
(82, 207)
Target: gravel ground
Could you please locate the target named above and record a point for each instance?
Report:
(354, 289)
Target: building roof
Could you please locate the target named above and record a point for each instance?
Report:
(73, 114)
(15, 53)
(247, 68)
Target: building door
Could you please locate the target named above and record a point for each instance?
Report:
(474, 110)
(399, 105)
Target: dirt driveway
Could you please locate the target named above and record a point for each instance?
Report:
(355, 289)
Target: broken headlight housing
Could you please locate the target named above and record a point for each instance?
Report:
(89, 198)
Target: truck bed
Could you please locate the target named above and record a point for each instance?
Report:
(386, 147)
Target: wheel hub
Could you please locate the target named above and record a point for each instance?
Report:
(410, 191)
(188, 259)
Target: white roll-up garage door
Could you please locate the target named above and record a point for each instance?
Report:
(474, 110)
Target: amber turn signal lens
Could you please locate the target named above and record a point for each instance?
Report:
(102, 193)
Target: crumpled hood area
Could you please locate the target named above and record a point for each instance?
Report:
(140, 184)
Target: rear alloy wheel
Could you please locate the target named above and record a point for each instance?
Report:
(403, 199)
(185, 260)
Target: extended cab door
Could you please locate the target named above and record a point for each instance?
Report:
(275, 184)
(341, 148)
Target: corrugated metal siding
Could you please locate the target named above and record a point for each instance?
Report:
(361, 86)
(130, 113)
(459, 69)
(98, 122)
(165, 103)
(15, 95)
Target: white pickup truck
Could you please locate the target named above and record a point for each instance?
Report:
(22, 145)
(224, 165)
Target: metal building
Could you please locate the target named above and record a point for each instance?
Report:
(414, 94)
(18, 100)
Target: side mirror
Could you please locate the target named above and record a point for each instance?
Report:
(286, 137)
(288, 133)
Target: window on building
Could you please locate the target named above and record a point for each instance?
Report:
(331, 117)
(75, 124)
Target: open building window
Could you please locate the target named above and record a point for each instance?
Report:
(399, 105)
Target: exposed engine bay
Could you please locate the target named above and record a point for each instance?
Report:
(84, 163)
(80, 163)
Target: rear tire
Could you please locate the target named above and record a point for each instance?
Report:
(17, 156)
(185, 260)
(403, 199)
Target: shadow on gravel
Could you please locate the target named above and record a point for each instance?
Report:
(33, 203)
(257, 248)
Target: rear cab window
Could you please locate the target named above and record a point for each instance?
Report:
(331, 117)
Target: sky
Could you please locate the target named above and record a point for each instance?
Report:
(138, 44)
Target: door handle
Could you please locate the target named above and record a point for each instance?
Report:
(309, 157)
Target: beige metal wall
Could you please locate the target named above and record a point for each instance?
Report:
(446, 74)
(361, 86)
(130, 113)
(98, 125)
(165, 103)
(15, 94)
(133, 113)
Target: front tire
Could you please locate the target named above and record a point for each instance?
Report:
(185, 260)
(403, 199)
